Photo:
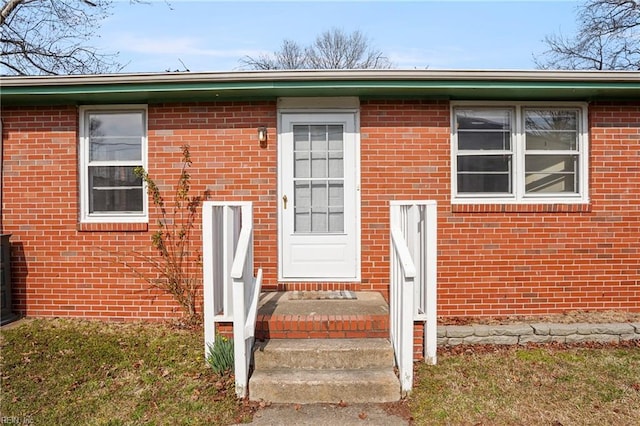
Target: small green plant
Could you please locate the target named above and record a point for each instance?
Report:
(220, 356)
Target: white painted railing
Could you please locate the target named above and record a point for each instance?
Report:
(413, 282)
(231, 291)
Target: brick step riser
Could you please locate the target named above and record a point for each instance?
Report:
(321, 327)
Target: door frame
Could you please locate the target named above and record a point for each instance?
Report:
(311, 106)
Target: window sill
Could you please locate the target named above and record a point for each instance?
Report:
(521, 208)
(113, 227)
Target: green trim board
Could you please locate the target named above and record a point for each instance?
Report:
(211, 87)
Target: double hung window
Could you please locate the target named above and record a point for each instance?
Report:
(112, 144)
(519, 154)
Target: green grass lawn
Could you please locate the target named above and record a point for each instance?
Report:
(546, 385)
(58, 372)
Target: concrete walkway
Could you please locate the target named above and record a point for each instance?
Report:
(325, 414)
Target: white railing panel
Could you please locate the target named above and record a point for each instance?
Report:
(430, 276)
(208, 279)
(413, 281)
(231, 291)
(402, 276)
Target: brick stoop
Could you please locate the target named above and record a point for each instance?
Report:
(311, 351)
(296, 326)
(282, 317)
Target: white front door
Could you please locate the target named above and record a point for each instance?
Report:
(319, 200)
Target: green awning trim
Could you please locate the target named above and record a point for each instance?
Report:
(455, 85)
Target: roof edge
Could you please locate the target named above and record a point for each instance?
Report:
(326, 75)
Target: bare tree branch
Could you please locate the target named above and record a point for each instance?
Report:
(9, 7)
(608, 38)
(53, 37)
(333, 49)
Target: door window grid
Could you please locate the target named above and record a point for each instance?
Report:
(318, 178)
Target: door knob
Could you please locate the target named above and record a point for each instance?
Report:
(284, 201)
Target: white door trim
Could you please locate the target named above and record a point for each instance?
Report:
(355, 173)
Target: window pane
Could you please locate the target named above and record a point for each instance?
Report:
(483, 119)
(114, 189)
(544, 120)
(551, 129)
(484, 140)
(115, 136)
(336, 194)
(551, 183)
(302, 222)
(336, 165)
(483, 183)
(301, 164)
(116, 124)
(302, 194)
(113, 176)
(319, 164)
(319, 220)
(484, 174)
(319, 196)
(301, 138)
(551, 173)
(483, 129)
(319, 138)
(561, 140)
(550, 163)
(336, 219)
(485, 163)
(115, 149)
(335, 137)
(115, 200)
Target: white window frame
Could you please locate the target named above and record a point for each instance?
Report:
(519, 196)
(116, 217)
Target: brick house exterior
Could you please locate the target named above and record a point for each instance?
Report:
(495, 258)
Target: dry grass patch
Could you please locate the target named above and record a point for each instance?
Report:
(545, 385)
(96, 373)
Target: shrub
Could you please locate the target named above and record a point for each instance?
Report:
(177, 266)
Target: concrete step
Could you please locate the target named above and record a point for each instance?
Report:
(324, 370)
(324, 386)
(323, 354)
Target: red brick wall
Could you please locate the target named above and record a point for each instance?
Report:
(494, 260)
(64, 269)
(404, 156)
(527, 259)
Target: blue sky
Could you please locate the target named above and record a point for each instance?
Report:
(214, 35)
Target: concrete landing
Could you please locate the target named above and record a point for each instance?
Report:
(282, 303)
(281, 316)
